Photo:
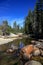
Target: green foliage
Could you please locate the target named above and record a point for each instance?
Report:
(17, 28)
(7, 29)
(34, 20)
(38, 18)
(28, 23)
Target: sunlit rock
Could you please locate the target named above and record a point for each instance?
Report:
(30, 50)
(27, 51)
(36, 51)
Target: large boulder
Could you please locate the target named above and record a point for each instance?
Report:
(32, 62)
(30, 50)
(27, 51)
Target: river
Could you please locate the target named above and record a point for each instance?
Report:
(12, 59)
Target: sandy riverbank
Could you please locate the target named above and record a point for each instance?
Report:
(5, 41)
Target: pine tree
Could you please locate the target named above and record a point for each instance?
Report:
(28, 23)
(39, 17)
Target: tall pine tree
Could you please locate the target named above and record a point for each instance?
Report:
(39, 18)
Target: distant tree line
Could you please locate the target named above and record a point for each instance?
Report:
(33, 23)
(7, 29)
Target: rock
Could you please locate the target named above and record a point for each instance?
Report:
(36, 51)
(41, 40)
(30, 50)
(14, 47)
(27, 56)
(32, 62)
(10, 51)
(33, 41)
(27, 51)
(41, 52)
(39, 44)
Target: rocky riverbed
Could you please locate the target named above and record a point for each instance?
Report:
(13, 58)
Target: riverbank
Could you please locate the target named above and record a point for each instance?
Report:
(11, 37)
(7, 40)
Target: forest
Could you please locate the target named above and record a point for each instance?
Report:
(33, 23)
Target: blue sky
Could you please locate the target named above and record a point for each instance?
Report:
(15, 10)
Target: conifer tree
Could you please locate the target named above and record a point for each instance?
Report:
(39, 17)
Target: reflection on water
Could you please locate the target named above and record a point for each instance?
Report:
(25, 41)
(11, 59)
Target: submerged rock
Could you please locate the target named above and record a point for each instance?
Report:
(32, 62)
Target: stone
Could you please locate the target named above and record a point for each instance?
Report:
(41, 52)
(36, 51)
(27, 51)
(39, 45)
(32, 62)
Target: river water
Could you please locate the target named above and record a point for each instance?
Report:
(12, 59)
